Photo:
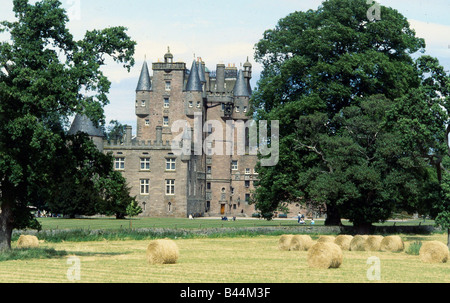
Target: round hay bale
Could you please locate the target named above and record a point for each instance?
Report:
(357, 243)
(434, 252)
(373, 243)
(343, 241)
(392, 243)
(301, 243)
(26, 241)
(162, 251)
(284, 242)
(325, 255)
(323, 239)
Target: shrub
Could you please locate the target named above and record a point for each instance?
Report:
(414, 248)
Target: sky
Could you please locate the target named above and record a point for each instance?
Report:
(217, 31)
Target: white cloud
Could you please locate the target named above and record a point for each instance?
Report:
(437, 36)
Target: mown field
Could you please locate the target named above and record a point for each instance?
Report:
(217, 260)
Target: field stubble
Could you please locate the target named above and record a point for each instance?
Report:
(217, 260)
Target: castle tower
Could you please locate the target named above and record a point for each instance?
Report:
(143, 96)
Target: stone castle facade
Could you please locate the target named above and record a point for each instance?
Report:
(166, 181)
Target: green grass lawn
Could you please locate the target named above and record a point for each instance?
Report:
(136, 223)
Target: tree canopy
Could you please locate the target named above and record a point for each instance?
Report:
(362, 122)
(46, 76)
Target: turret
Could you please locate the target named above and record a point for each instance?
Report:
(168, 57)
(144, 83)
(194, 82)
(248, 75)
(143, 96)
(82, 124)
(241, 88)
(241, 97)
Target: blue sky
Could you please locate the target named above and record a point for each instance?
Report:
(217, 31)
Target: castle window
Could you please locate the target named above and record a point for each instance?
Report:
(168, 86)
(147, 122)
(145, 163)
(166, 121)
(247, 171)
(199, 104)
(245, 109)
(247, 184)
(171, 164)
(145, 186)
(234, 165)
(247, 198)
(170, 187)
(119, 163)
(191, 104)
(237, 109)
(166, 103)
(208, 186)
(143, 103)
(169, 207)
(208, 170)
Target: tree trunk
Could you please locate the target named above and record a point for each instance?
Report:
(333, 216)
(448, 238)
(6, 226)
(363, 228)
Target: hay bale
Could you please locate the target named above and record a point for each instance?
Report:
(284, 242)
(357, 243)
(434, 252)
(343, 241)
(162, 251)
(392, 243)
(301, 243)
(325, 255)
(26, 241)
(323, 239)
(373, 243)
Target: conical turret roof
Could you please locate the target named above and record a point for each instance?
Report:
(83, 124)
(240, 88)
(144, 83)
(194, 83)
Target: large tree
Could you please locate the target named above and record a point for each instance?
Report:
(46, 76)
(318, 67)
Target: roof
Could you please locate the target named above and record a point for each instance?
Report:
(144, 83)
(194, 83)
(240, 88)
(83, 124)
(247, 63)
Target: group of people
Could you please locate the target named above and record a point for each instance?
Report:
(225, 218)
(301, 219)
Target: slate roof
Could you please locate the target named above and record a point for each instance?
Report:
(194, 83)
(83, 124)
(240, 88)
(144, 83)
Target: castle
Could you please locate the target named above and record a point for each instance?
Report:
(166, 181)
